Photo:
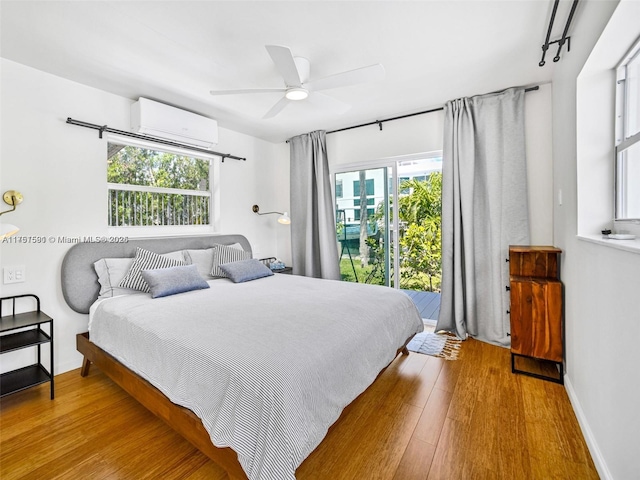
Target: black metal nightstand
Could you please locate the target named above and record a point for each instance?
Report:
(287, 270)
(31, 375)
(269, 260)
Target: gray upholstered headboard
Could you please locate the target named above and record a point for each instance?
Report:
(80, 285)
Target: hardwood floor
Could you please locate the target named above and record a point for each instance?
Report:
(423, 418)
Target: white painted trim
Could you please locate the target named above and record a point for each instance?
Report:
(151, 145)
(143, 188)
(151, 231)
(632, 246)
(596, 454)
(383, 162)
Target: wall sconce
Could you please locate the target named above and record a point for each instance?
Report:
(13, 198)
(283, 218)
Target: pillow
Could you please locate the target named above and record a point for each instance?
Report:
(202, 259)
(246, 270)
(146, 260)
(110, 272)
(169, 281)
(225, 254)
(175, 255)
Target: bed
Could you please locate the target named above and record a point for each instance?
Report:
(252, 373)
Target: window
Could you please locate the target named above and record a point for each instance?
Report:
(149, 187)
(368, 185)
(339, 189)
(628, 137)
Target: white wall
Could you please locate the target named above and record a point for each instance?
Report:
(602, 305)
(424, 133)
(61, 171)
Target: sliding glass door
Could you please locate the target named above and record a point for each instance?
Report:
(388, 221)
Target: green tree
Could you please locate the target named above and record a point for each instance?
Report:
(420, 220)
(421, 241)
(150, 168)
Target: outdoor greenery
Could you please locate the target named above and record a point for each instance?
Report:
(420, 217)
(420, 212)
(150, 168)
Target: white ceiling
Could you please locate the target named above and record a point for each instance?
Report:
(177, 51)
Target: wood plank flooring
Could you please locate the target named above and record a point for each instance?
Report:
(423, 418)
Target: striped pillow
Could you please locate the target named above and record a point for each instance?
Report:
(225, 254)
(145, 260)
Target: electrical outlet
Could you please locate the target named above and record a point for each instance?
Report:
(15, 274)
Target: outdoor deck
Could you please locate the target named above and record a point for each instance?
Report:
(428, 303)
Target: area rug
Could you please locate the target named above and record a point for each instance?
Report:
(442, 345)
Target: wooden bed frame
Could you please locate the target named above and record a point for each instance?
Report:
(181, 419)
(80, 288)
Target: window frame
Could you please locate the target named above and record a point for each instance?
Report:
(166, 230)
(623, 140)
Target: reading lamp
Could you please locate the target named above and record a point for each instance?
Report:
(13, 198)
(283, 218)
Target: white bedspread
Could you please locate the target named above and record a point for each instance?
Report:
(267, 365)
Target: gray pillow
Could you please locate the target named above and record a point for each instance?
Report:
(169, 281)
(225, 254)
(246, 270)
(145, 260)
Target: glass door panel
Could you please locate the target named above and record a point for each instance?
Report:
(419, 224)
(362, 225)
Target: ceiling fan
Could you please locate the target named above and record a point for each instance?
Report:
(295, 72)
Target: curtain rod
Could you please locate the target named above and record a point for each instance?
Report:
(564, 37)
(380, 122)
(103, 128)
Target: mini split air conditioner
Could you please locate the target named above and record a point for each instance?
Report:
(170, 123)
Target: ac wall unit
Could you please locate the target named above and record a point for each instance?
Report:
(170, 123)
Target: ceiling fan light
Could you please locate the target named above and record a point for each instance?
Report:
(297, 93)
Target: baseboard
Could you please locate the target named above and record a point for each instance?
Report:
(596, 455)
(431, 323)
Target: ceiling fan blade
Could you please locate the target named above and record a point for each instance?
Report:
(285, 63)
(345, 79)
(246, 90)
(277, 108)
(325, 101)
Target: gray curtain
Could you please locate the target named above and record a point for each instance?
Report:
(313, 227)
(484, 210)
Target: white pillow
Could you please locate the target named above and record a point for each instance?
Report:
(202, 259)
(175, 255)
(110, 272)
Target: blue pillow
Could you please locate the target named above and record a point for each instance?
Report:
(246, 270)
(169, 281)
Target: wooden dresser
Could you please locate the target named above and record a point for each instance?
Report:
(536, 307)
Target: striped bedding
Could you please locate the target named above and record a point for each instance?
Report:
(267, 365)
